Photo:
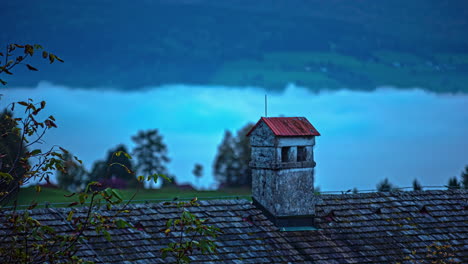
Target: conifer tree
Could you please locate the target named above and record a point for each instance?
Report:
(464, 178)
(385, 186)
(416, 185)
(226, 166)
(453, 184)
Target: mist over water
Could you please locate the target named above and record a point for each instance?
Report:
(366, 136)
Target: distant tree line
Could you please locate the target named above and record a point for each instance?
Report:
(151, 158)
(230, 167)
(452, 184)
(231, 164)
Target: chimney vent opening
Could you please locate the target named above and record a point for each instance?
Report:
(285, 154)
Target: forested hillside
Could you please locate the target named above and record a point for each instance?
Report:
(319, 44)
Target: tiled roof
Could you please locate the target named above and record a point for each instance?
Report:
(385, 227)
(288, 126)
(354, 228)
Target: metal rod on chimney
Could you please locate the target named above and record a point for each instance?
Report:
(266, 113)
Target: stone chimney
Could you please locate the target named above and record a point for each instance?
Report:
(282, 164)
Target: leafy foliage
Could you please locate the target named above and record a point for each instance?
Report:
(225, 167)
(11, 60)
(74, 176)
(31, 241)
(416, 185)
(29, 130)
(10, 147)
(243, 153)
(231, 166)
(198, 170)
(28, 240)
(192, 234)
(385, 186)
(453, 184)
(464, 178)
(116, 171)
(150, 152)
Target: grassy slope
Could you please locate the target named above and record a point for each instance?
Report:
(57, 195)
(445, 72)
(133, 44)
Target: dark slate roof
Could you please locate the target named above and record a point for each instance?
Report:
(352, 228)
(385, 227)
(288, 126)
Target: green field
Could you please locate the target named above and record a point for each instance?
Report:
(332, 70)
(321, 45)
(56, 198)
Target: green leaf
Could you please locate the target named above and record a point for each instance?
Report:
(77, 159)
(59, 59)
(51, 57)
(107, 235)
(31, 67)
(127, 155)
(35, 152)
(121, 223)
(169, 222)
(94, 183)
(6, 176)
(108, 191)
(70, 215)
(165, 177)
(121, 165)
(49, 123)
(82, 197)
(154, 177)
(120, 152)
(48, 229)
(116, 194)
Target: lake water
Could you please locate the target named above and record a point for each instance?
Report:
(366, 136)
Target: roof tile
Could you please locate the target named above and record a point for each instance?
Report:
(365, 228)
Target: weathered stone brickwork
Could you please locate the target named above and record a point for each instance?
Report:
(286, 192)
(262, 136)
(283, 186)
